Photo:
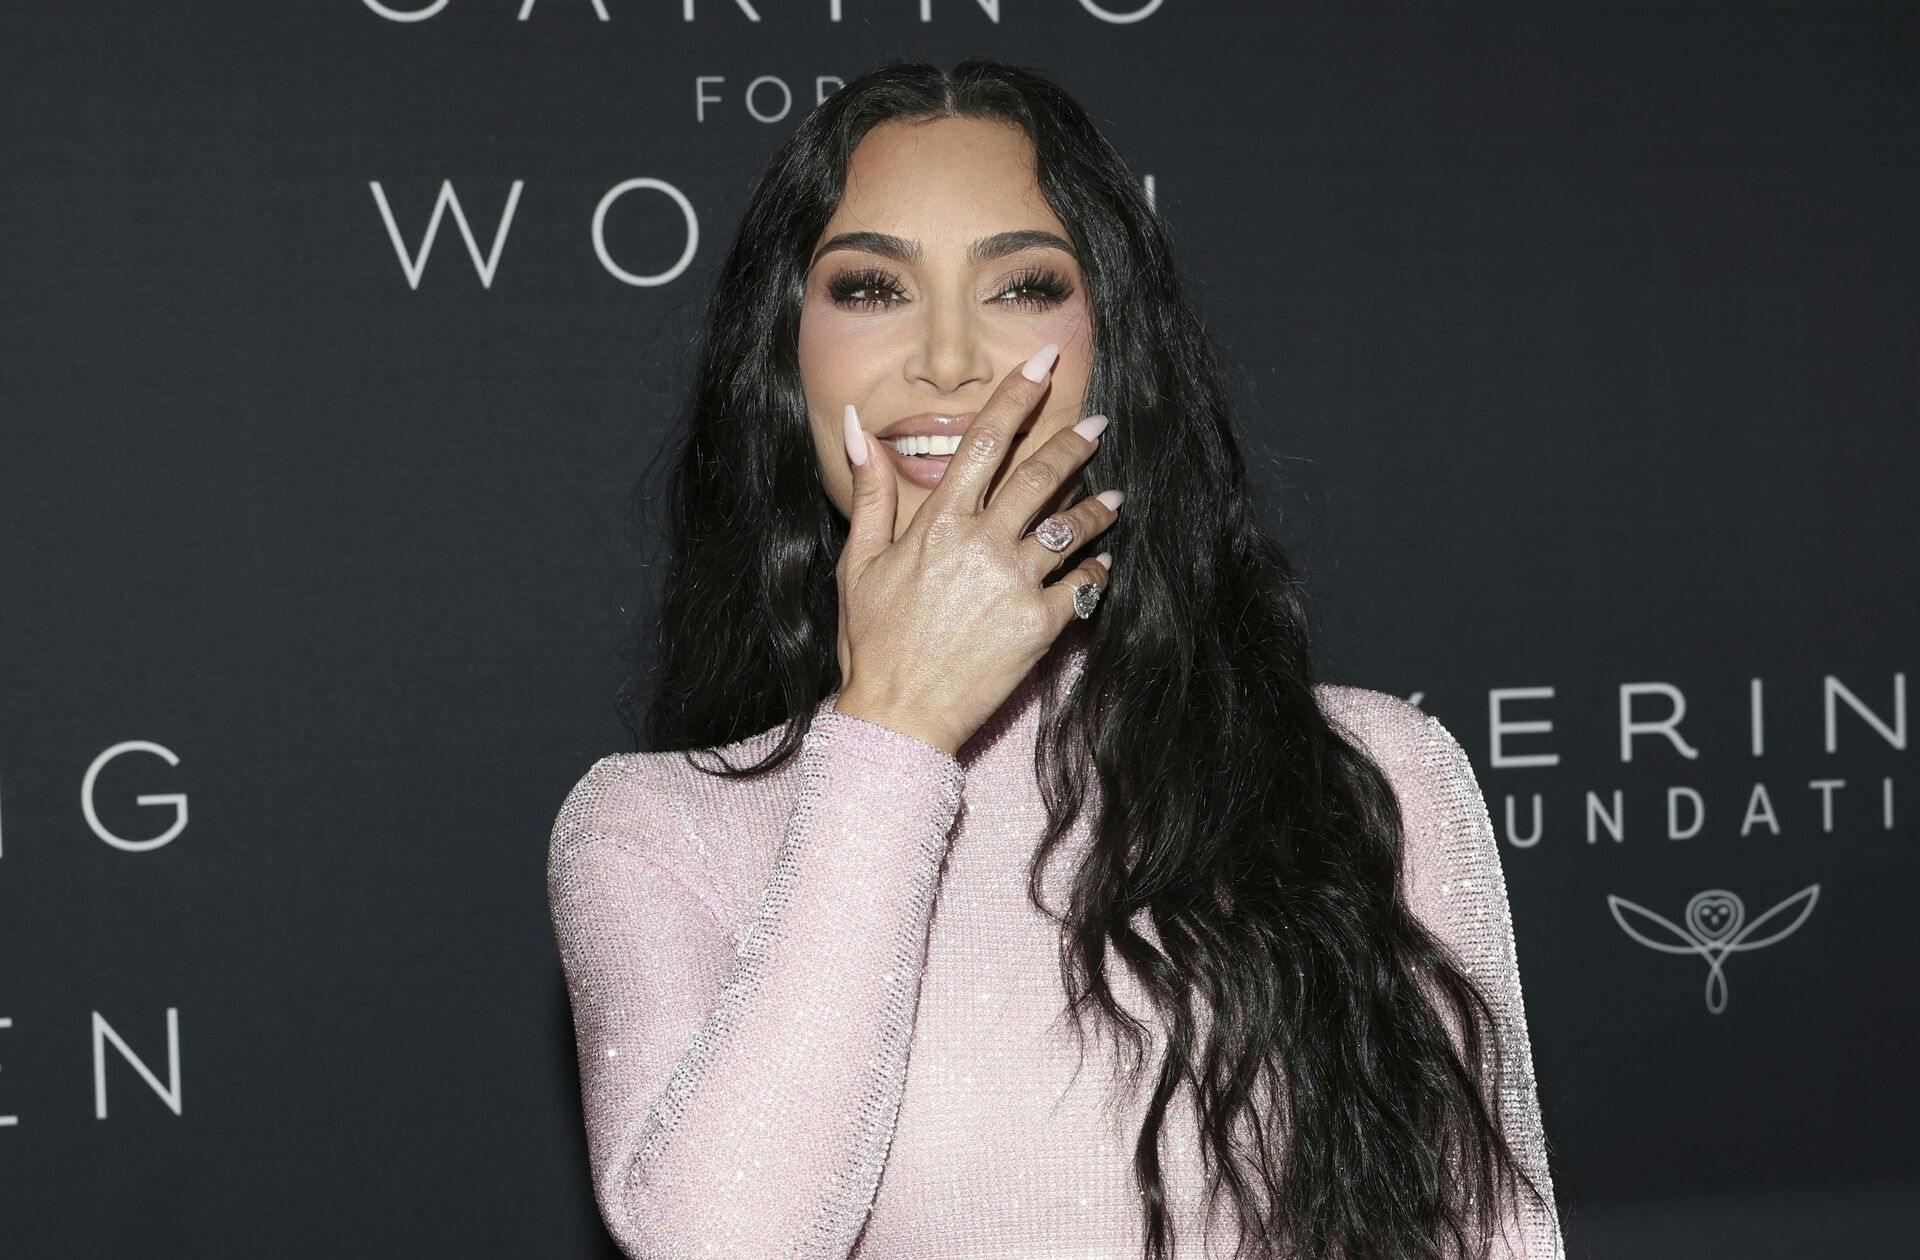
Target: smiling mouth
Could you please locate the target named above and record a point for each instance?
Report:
(936, 446)
(924, 470)
(925, 458)
(927, 445)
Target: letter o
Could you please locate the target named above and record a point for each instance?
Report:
(600, 237)
(1121, 19)
(406, 15)
(784, 91)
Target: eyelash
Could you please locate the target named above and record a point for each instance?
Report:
(1048, 288)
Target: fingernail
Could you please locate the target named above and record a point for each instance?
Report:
(1106, 559)
(1112, 498)
(856, 440)
(1041, 363)
(1091, 427)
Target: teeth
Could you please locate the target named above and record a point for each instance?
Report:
(927, 444)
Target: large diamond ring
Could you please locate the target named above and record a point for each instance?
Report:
(1055, 533)
(1086, 597)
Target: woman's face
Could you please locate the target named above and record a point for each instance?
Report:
(942, 270)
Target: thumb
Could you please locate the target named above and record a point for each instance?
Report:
(875, 496)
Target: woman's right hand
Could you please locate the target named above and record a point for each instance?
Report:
(939, 626)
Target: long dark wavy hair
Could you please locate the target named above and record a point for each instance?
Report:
(1265, 847)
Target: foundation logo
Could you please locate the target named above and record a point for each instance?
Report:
(1713, 927)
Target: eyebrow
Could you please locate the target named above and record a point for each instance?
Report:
(986, 249)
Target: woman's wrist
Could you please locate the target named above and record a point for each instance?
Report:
(895, 716)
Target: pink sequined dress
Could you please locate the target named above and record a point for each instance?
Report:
(817, 1015)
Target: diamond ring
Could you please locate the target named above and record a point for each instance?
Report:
(1086, 597)
(1055, 533)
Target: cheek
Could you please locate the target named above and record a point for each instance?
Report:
(1072, 328)
(836, 361)
(836, 357)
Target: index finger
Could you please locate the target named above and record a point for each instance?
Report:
(990, 434)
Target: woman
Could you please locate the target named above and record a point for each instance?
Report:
(826, 945)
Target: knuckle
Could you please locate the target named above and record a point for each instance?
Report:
(1036, 562)
(984, 560)
(941, 526)
(1040, 474)
(1035, 620)
(982, 445)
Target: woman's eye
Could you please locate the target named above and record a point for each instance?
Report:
(1041, 289)
(865, 291)
(870, 295)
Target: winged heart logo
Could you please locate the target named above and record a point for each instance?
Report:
(1714, 926)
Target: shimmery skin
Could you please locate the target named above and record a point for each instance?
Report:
(817, 1016)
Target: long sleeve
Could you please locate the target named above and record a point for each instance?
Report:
(741, 1103)
(1459, 886)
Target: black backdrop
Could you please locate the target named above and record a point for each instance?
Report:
(1576, 351)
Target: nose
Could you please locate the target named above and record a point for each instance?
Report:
(949, 354)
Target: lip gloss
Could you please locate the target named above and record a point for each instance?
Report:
(921, 470)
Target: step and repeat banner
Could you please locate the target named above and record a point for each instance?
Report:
(1574, 349)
